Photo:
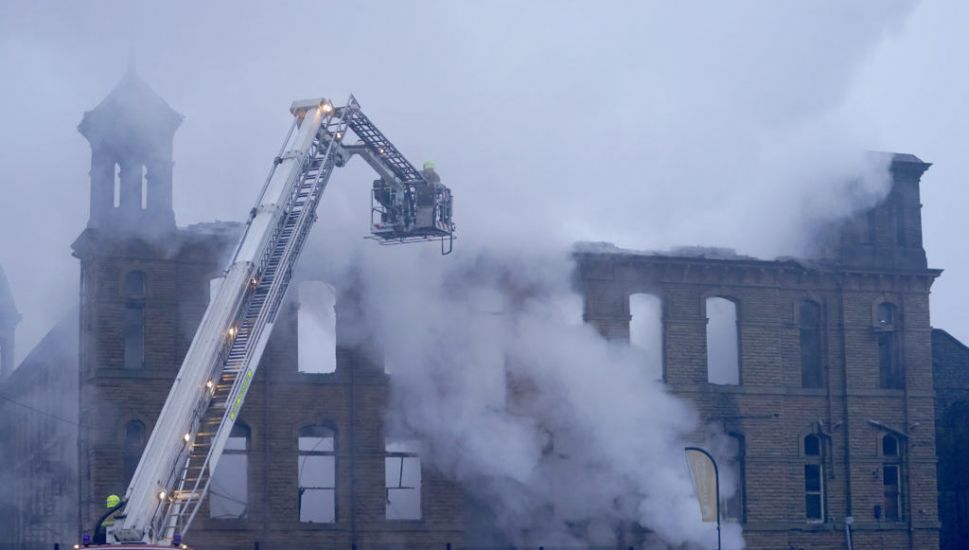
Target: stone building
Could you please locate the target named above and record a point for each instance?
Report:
(951, 378)
(820, 372)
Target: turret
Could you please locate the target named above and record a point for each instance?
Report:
(131, 133)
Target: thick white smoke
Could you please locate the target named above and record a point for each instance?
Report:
(564, 435)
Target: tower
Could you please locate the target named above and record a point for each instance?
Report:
(9, 318)
(131, 133)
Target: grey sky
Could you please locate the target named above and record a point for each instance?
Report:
(646, 124)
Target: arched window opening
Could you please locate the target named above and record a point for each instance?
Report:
(316, 321)
(134, 444)
(732, 480)
(646, 330)
(885, 314)
(890, 372)
(317, 475)
(812, 445)
(723, 359)
(402, 472)
(890, 446)
(809, 322)
(229, 486)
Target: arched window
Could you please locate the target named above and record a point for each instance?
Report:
(134, 444)
(723, 358)
(316, 322)
(891, 478)
(317, 474)
(134, 320)
(402, 473)
(732, 473)
(646, 330)
(229, 486)
(890, 372)
(809, 323)
(814, 482)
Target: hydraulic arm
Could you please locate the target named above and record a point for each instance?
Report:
(173, 475)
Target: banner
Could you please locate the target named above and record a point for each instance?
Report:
(705, 481)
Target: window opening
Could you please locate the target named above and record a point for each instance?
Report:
(316, 321)
(402, 471)
(646, 330)
(134, 444)
(317, 475)
(723, 360)
(229, 486)
(809, 321)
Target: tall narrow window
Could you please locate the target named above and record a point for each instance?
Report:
(646, 330)
(316, 338)
(317, 475)
(892, 478)
(144, 187)
(229, 487)
(117, 185)
(723, 360)
(732, 481)
(891, 375)
(134, 320)
(402, 472)
(814, 486)
(134, 444)
(809, 321)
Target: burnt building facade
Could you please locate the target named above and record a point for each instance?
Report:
(308, 464)
(821, 372)
(825, 375)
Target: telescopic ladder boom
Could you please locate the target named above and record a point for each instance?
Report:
(173, 475)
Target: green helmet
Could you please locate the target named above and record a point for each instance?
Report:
(113, 500)
(428, 164)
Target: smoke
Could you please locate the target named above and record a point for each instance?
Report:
(645, 124)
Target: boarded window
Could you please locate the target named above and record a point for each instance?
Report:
(646, 330)
(134, 444)
(317, 328)
(723, 360)
(809, 321)
(317, 475)
(889, 367)
(402, 472)
(229, 487)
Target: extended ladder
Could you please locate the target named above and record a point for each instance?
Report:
(175, 470)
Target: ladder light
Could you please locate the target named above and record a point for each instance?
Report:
(187, 437)
(209, 384)
(327, 108)
(232, 331)
(162, 495)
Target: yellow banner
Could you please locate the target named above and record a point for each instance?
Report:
(704, 473)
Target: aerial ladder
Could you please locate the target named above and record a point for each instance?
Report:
(173, 475)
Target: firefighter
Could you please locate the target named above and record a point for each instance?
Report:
(430, 176)
(107, 520)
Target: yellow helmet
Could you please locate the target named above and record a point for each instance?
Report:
(428, 164)
(113, 500)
